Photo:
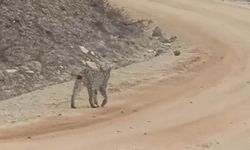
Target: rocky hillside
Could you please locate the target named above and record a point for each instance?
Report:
(40, 40)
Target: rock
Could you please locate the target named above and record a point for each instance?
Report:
(11, 71)
(167, 44)
(157, 32)
(164, 40)
(159, 52)
(30, 72)
(84, 50)
(172, 39)
(61, 67)
(92, 53)
(61, 79)
(134, 110)
(13, 121)
(118, 131)
(151, 51)
(177, 53)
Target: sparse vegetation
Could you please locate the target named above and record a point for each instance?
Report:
(39, 40)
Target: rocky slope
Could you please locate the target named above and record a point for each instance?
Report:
(40, 40)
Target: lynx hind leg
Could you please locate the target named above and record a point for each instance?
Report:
(91, 97)
(77, 88)
(103, 91)
(95, 98)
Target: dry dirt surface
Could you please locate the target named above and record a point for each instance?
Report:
(202, 108)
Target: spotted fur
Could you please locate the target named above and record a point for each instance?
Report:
(94, 80)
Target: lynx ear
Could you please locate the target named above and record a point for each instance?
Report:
(79, 77)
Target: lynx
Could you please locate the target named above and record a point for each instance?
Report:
(94, 78)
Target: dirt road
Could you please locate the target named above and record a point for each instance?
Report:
(206, 108)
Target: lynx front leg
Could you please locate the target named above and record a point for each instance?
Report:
(95, 98)
(103, 91)
(91, 96)
(76, 90)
